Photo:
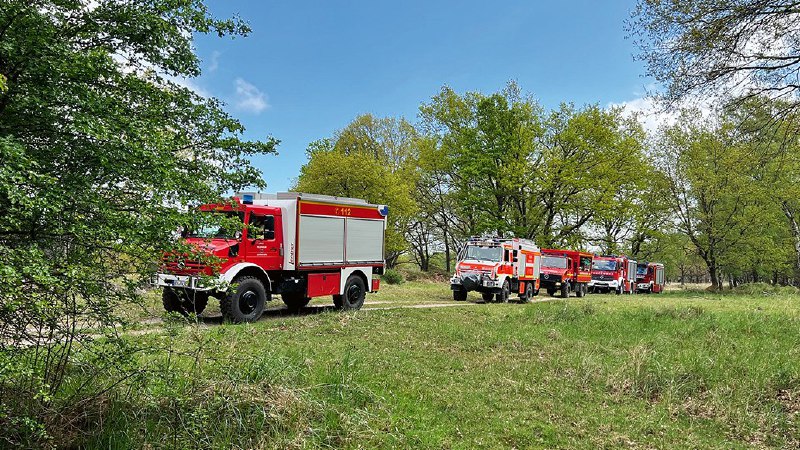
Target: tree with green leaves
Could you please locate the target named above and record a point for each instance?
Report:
(714, 197)
(722, 47)
(100, 149)
(374, 159)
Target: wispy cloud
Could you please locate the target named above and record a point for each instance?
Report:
(249, 98)
(213, 65)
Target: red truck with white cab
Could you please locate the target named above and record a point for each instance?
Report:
(496, 268)
(298, 246)
(566, 271)
(650, 278)
(613, 274)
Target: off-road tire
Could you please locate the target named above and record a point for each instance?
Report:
(619, 290)
(526, 296)
(295, 301)
(505, 292)
(565, 290)
(184, 301)
(246, 302)
(459, 295)
(486, 297)
(355, 291)
(580, 290)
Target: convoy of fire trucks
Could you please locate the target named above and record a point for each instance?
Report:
(302, 246)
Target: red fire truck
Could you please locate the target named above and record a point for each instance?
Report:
(650, 277)
(566, 271)
(613, 274)
(496, 268)
(296, 245)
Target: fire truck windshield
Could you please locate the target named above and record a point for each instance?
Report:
(483, 253)
(608, 265)
(556, 262)
(641, 270)
(216, 225)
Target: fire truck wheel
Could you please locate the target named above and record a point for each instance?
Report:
(551, 292)
(246, 303)
(505, 292)
(184, 302)
(526, 296)
(580, 290)
(564, 290)
(459, 295)
(354, 293)
(619, 291)
(486, 297)
(295, 301)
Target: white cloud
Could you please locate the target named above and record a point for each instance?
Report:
(249, 98)
(653, 115)
(213, 65)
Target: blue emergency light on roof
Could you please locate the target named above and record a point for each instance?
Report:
(383, 210)
(247, 199)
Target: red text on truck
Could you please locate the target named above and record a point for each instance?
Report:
(650, 277)
(566, 271)
(497, 268)
(613, 274)
(294, 245)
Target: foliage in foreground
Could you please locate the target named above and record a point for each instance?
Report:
(98, 147)
(684, 369)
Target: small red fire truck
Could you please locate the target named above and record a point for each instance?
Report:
(650, 277)
(566, 271)
(613, 274)
(297, 245)
(496, 268)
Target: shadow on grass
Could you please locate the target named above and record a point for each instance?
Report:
(275, 313)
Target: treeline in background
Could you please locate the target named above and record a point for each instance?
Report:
(711, 193)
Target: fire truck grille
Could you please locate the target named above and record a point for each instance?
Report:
(602, 277)
(174, 264)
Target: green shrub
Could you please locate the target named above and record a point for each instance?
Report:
(392, 276)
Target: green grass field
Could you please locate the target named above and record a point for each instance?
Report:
(679, 370)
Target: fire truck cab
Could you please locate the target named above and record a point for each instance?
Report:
(566, 271)
(613, 274)
(496, 268)
(294, 245)
(650, 278)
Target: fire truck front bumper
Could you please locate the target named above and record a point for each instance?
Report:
(474, 282)
(179, 281)
(644, 286)
(614, 284)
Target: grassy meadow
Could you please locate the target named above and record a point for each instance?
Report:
(686, 369)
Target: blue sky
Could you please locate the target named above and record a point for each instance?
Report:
(310, 67)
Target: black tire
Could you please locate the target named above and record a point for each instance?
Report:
(295, 301)
(619, 290)
(580, 290)
(526, 296)
(355, 291)
(460, 295)
(505, 292)
(565, 290)
(486, 297)
(184, 301)
(246, 302)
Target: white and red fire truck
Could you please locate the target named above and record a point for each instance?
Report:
(496, 268)
(613, 274)
(296, 245)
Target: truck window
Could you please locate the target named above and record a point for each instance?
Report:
(606, 265)
(216, 225)
(478, 253)
(556, 262)
(261, 227)
(586, 263)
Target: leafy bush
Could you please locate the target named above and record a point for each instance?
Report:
(392, 276)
